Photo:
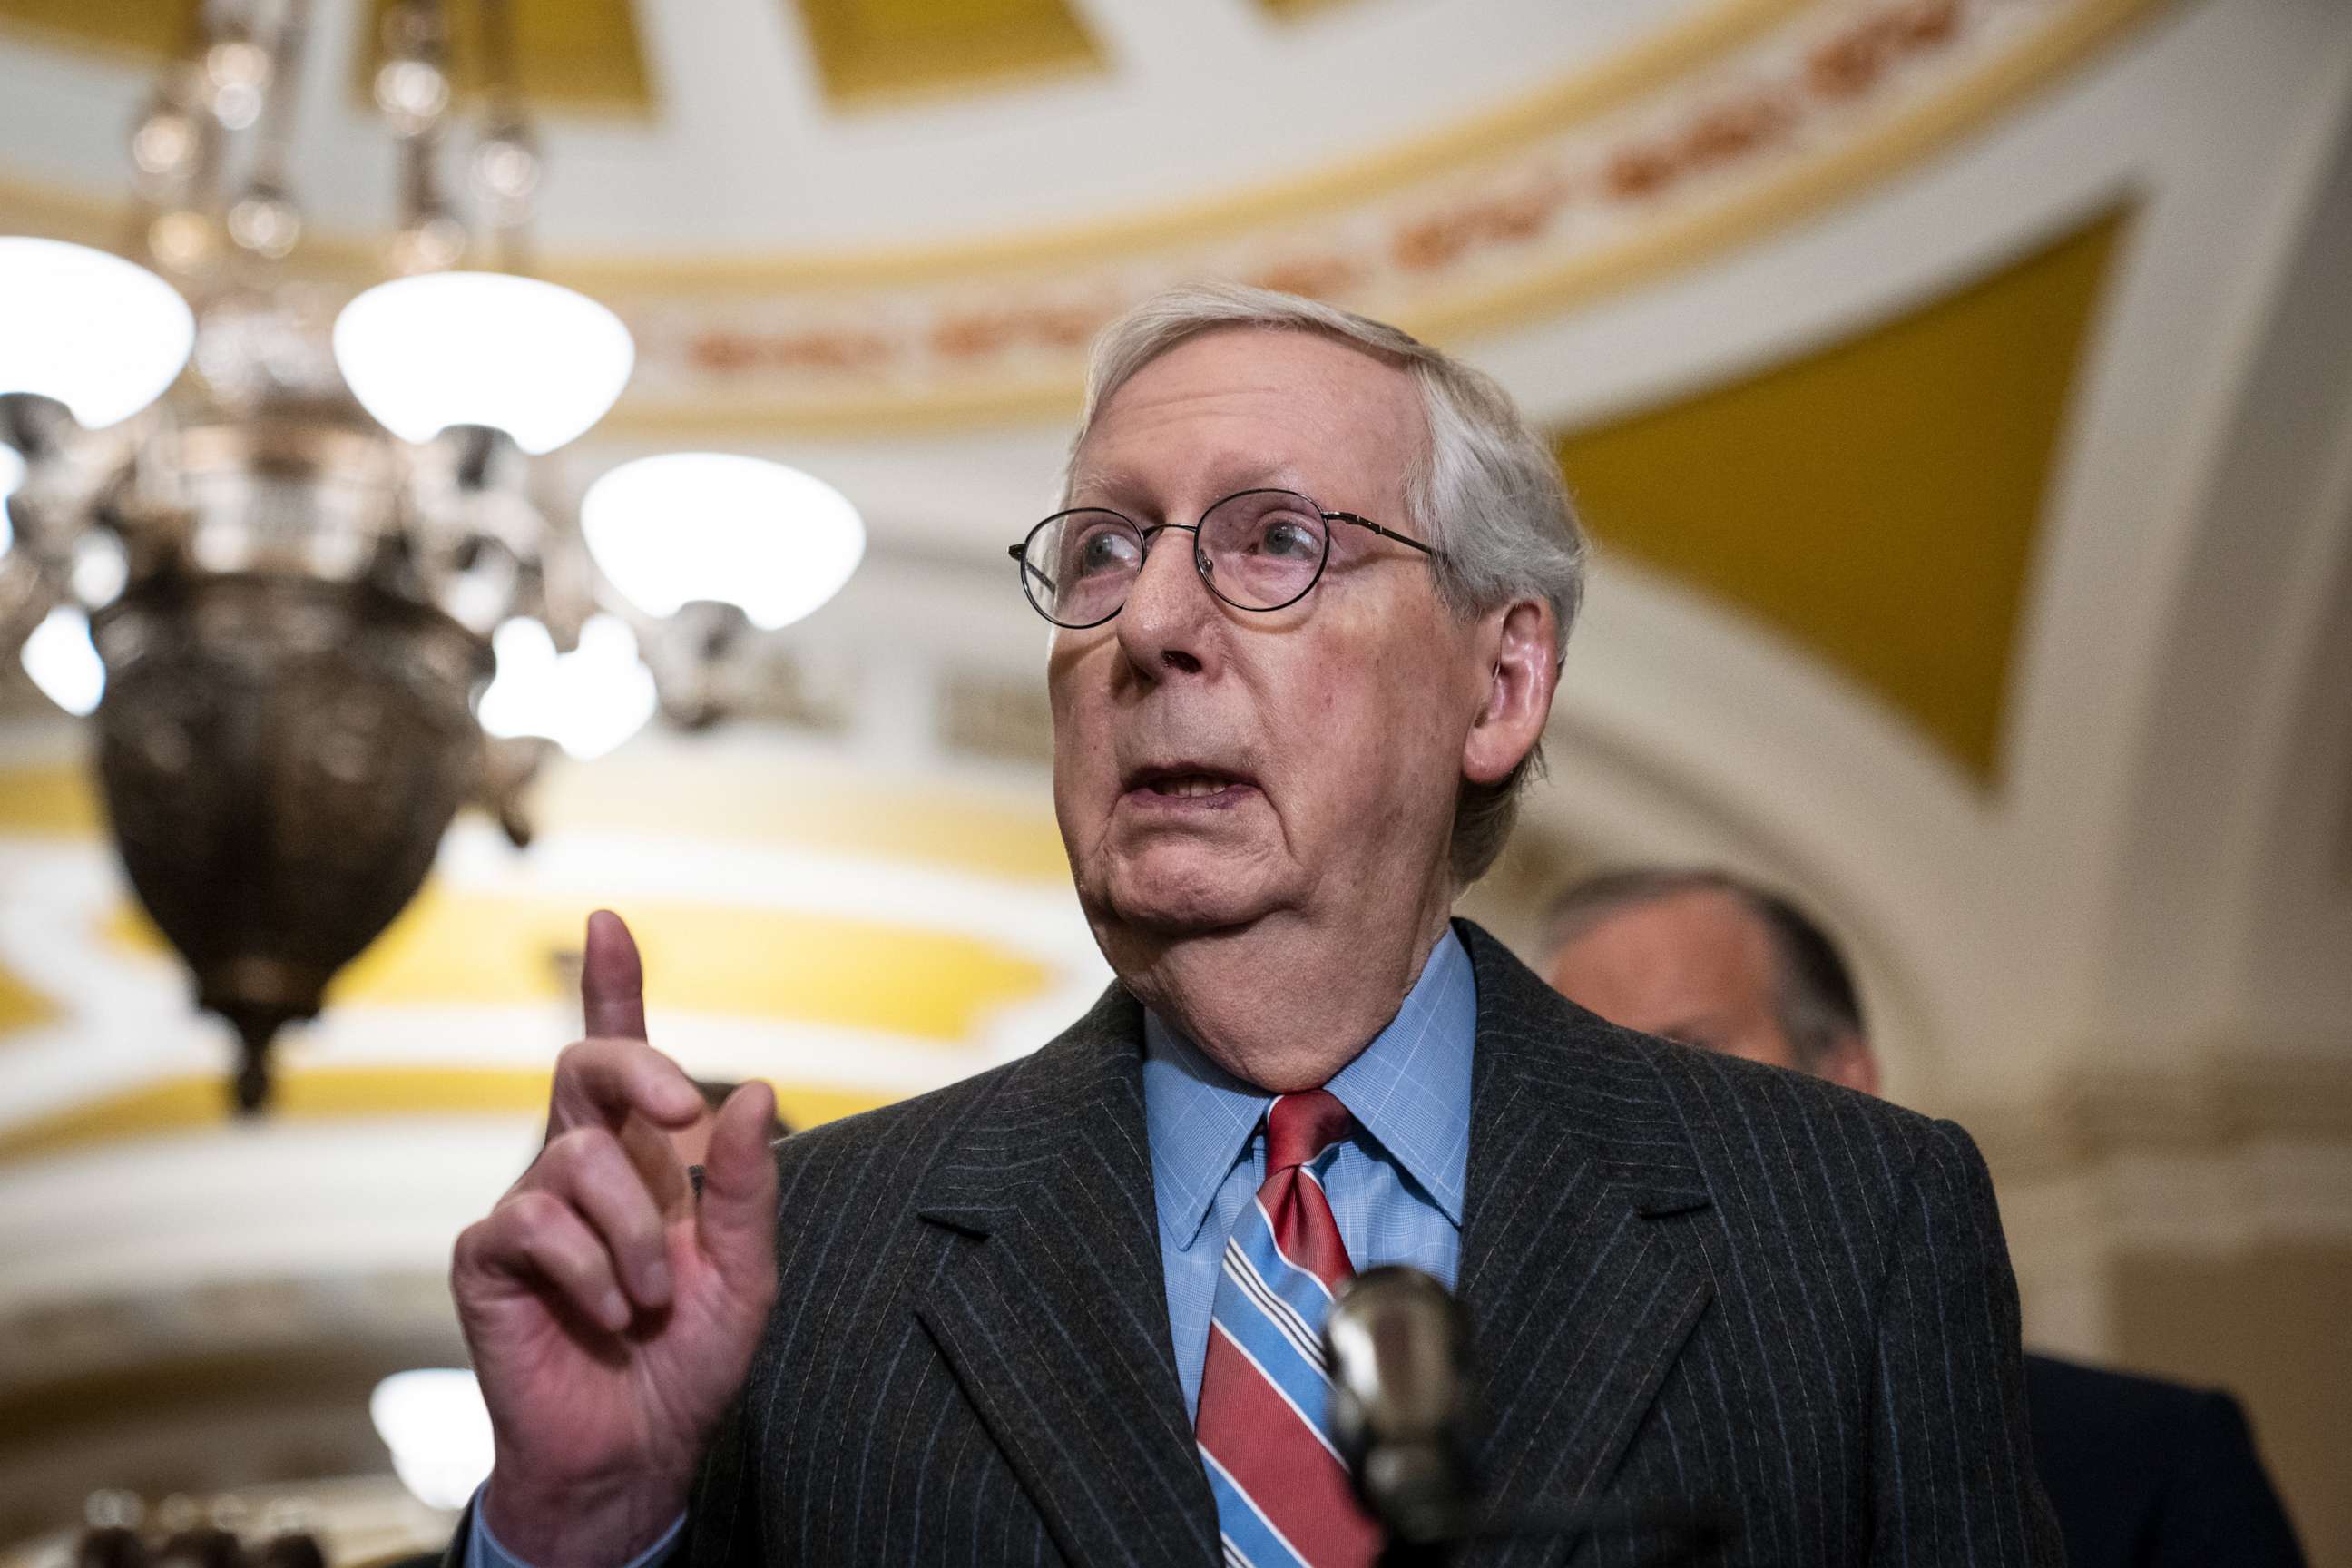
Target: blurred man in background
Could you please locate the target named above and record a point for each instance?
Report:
(2142, 1472)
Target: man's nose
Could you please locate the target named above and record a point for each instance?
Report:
(1166, 623)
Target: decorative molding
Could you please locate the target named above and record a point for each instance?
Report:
(1801, 115)
(2233, 1100)
(1714, 131)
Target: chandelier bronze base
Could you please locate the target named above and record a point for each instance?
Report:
(280, 756)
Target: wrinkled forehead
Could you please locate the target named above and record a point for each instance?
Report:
(1235, 407)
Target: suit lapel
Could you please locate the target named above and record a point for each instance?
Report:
(1579, 1298)
(1052, 1307)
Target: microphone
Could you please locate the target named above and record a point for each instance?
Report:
(1399, 1348)
(1403, 1410)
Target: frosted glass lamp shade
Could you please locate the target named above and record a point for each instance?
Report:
(768, 539)
(587, 701)
(99, 334)
(438, 1429)
(64, 663)
(530, 357)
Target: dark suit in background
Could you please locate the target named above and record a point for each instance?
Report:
(1695, 1282)
(2151, 1475)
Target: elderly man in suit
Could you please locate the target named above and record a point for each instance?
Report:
(2142, 1473)
(1311, 589)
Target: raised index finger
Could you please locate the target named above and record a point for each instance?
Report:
(612, 979)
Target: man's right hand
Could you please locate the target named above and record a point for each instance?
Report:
(612, 1315)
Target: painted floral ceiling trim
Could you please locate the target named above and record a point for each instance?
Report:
(1753, 114)
(1840, 95)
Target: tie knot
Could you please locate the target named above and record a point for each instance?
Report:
(1300, 1126)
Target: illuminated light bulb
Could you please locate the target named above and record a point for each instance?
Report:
(237, 62)
(183, 241)
(237, 107)
(530, 358)
(166, 143)
(64, 662)
(506, 167)
(587, 701)
(265, 222)
(434, 243)
(412, 93)
(438, 1430)
(768, 539)
(237, 76)
(99, 570)
(96, 333)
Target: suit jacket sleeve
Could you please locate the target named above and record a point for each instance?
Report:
(1953, 1478)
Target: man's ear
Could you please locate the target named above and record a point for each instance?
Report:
(1523, 670)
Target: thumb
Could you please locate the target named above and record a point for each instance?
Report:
(612, 979)
(737, 1212)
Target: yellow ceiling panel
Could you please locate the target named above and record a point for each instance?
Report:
(1288, 10)
(760, 802)
(870, 51)
(148, 28)
(193, 1103)
(571, 55)
(56, 800)
(1877, 501)
(476, 950)
(21, 1005)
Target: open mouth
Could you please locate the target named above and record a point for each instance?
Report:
(1186, 785)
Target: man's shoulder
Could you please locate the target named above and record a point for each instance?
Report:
(910, 1125)
(1730, 1108)
(2138, 1464)
(1748, 1118)
(1784, 1160)
(909, 1136)
(2101, 1405)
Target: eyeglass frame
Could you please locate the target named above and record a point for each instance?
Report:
(1020, 552)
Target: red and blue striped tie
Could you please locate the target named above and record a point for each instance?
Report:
(1264, 1428)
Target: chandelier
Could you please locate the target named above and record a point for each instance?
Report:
(292, 559)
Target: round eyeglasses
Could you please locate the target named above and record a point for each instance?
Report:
(1257, 550)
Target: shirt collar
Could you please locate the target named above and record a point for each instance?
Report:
(1410, 1088)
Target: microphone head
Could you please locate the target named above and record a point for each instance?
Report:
(1399, 1347)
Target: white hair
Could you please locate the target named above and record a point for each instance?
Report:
(1484, 488)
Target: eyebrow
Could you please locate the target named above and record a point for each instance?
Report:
(1125, 487)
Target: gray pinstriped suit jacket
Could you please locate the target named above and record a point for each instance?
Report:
(1692, 1279)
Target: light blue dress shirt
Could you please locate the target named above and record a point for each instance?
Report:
(1396, 1186)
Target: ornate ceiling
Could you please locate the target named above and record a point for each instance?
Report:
(589, 56)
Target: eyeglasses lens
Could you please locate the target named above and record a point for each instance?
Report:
(1259, 550)
(1265, 547)
(1081, 563)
